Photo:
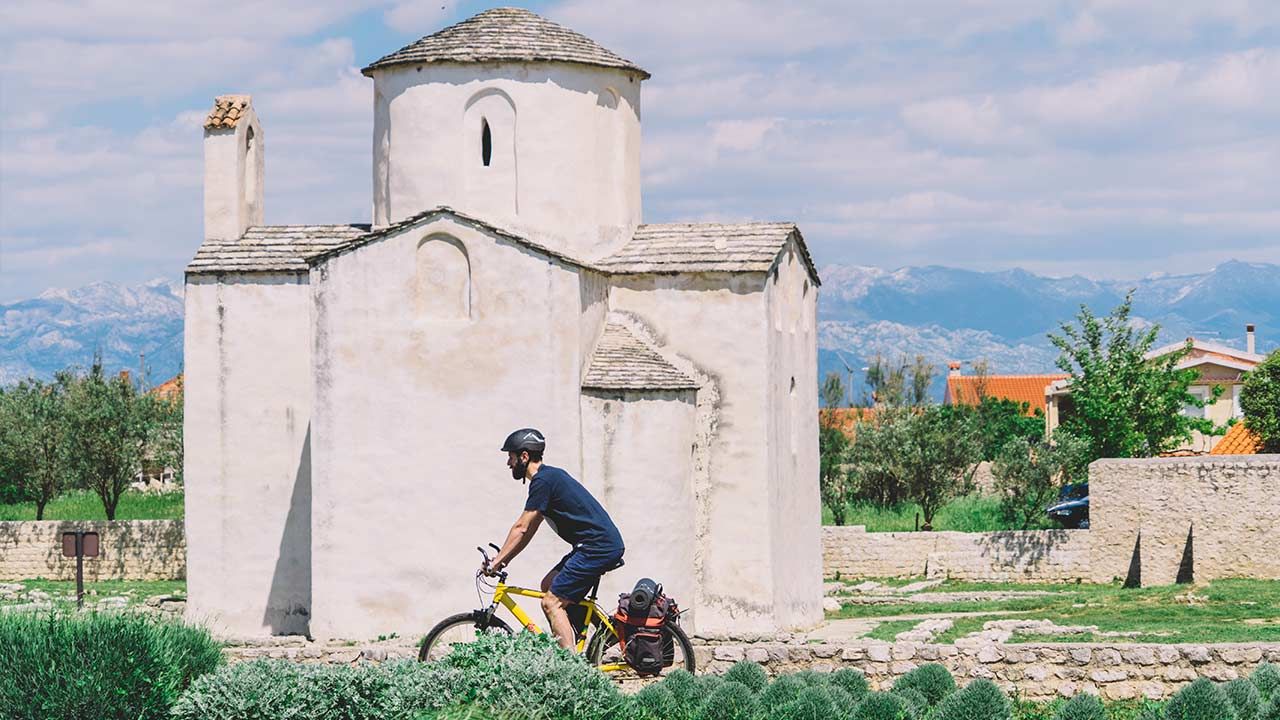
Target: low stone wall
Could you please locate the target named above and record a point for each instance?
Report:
(130, 550)
(1032, 555)
(1037, 672)
(1209, 517)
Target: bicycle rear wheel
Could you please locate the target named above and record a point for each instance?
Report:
(602, 649)
(457, 629)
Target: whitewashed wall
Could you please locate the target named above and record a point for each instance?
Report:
(566, 148)
(411, 411)
(247, 464)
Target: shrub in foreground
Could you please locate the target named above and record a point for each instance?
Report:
(731, 700)
(1082, 707)
(98, 665)
(749, 674)
(524, 675)
(1201, 700)
(979, 700)
(1267, 679)
(1245, 699)
(884, 706)
(932, 680)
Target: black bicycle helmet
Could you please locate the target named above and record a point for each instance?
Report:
(525, 439)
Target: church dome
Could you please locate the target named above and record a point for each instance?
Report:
(506, 35)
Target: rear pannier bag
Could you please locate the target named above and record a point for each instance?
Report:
(641, 622)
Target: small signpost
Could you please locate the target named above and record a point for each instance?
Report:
(80, 545)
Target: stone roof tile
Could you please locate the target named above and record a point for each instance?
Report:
(706, 247)
(227, 111)
(621, 361)
(272, 248)
(505, 34)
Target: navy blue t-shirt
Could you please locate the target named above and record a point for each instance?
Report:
(573, 513)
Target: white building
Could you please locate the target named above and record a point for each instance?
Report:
(348, 386)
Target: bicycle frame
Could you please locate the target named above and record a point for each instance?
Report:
(502, 595)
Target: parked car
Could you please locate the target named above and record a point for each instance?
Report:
(1072, 508)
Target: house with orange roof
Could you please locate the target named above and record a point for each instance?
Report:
(1218, 365)
(1028, 389)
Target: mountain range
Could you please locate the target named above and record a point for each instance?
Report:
(948, 314)
(942, 313)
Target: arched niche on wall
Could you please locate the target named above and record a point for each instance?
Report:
(442, 279)
(489, 158)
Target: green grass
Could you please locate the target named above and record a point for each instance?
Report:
(1119, 710)
(971, 513)
(85, 505)
(889, 630)
(63, 592)
(1162, 614)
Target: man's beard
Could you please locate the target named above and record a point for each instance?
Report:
(518, 472)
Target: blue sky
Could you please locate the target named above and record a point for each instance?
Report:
(1111, 138)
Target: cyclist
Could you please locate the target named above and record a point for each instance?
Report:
(575, 516)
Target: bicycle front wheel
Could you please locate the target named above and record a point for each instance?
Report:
(455, 630)
(603, 649)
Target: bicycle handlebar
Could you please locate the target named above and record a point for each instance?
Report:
(488, 561)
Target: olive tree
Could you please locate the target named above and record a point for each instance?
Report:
(110, 426)
(922, 455)
(33, 440)
(1030, 473)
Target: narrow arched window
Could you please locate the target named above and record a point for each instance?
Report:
(486, 142)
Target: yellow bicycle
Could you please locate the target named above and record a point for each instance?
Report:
(601, 648)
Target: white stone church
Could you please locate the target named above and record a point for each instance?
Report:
(348, 386)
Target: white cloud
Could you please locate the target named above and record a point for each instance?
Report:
(420, 16)
(740, 135)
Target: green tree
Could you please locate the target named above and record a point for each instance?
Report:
(1260, 402)
(924, 455)
(832, 391)
(1029, 474)
(1122, 403)
(109, 428)
(833, 447)
(834, 484)
(33, 440)
(900, 383)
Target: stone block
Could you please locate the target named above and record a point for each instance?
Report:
(1139, 655)
(758, 655)
(729, 653)
(1197, 654)
(880, 653)
(1108, 676)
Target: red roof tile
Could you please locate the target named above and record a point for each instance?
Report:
(1239, 440)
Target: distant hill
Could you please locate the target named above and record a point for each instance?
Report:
(943, 313)
(60, 328)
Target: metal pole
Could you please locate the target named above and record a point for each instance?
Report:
(79, 570)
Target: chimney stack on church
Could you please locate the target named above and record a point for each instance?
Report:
(233, 152)
(1249, 342)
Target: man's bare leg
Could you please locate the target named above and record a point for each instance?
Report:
(556, 610)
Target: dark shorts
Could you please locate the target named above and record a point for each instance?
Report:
(577, 572)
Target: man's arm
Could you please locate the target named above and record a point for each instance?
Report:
(517, 538)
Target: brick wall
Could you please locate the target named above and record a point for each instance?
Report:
(130, 550)
(1033, 555)
(1220, 513)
